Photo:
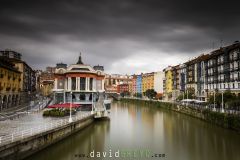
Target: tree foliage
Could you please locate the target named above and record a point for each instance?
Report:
(150, 93)
(228, 98)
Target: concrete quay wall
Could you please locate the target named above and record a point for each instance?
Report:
(25, 147)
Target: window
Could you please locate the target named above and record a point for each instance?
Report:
(91, 84)
(82, 83)
(73, 83)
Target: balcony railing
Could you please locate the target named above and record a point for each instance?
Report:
(221, 71)
(236, 68)
(220, 62)
(234, 79)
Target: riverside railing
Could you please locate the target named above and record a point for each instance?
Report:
(19, 135)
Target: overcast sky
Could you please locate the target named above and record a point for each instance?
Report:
(126, 36)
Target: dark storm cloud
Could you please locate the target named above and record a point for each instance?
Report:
(113, 30)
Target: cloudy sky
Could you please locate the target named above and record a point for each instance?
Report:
(126, 36)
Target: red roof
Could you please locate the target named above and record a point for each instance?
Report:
(64, 105)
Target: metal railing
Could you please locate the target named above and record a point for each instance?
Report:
(19, 135)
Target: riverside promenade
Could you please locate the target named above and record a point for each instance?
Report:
(24, 135)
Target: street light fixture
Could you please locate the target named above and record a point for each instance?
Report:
(70, 117)
(222, 110)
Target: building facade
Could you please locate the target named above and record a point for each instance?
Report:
(77, 83)
(139, 84)
(223, 69)
(10, 79)
(176, 82)
(134, 84)
(27, 84)
(147, 81)
(158, 82)
(168, 83)
(123, 88)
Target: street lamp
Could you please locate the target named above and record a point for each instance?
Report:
(214, 108)
(92, 104)
(222, 110)
(70, 117)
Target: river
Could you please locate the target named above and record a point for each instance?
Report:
(146, 132)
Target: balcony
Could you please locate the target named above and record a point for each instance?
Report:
(221, 71)
(221, 81)
(220, 62)
(210, 74)
(236, 68)
(233, 79)
(8, 88)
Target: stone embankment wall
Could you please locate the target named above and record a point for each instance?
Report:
(230, 121)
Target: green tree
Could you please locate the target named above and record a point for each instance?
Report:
(125, 93)
(227, 98)
(187, 95)
(150, 93)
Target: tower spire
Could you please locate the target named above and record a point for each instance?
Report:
(80, 59)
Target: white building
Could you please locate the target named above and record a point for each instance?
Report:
(158, 81)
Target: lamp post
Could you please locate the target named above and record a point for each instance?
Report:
(92, 104)
(214, 108)
(70, 117)
(222, 110)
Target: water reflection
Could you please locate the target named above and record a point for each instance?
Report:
(134, 126)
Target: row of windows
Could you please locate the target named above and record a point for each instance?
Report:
(225, 86)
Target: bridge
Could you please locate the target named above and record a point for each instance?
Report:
(114, 95)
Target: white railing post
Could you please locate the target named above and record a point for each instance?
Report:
(22, 134)
(12, 137)
(31, 131)
(0, 140)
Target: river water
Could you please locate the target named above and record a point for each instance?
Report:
(146, 132)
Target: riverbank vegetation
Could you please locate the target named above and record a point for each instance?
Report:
(226, 120)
